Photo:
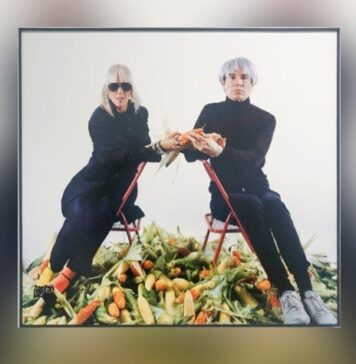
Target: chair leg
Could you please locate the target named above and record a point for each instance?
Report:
(218, 248)
(129, 236)
(126, 228)
(136, 226)
(206, 239)
(221, 240)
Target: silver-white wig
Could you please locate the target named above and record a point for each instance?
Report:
(234, 64)
(118, 73)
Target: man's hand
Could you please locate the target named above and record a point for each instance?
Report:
(207, 144)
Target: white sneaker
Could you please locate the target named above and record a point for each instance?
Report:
(317, 309)
(293, 312)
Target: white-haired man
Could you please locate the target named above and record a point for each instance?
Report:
(248, 131)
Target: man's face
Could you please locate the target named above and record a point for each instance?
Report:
(237, 85)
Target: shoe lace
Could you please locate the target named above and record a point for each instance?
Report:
(318, 307)
(291, 303)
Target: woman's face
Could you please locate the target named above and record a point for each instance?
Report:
(237, 85)
(120, 93)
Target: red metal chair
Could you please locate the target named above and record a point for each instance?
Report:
(232, 216)
(135, 226)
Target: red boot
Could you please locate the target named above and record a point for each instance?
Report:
(63, 279)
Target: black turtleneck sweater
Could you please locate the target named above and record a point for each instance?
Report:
(249, 131)
(118, 147)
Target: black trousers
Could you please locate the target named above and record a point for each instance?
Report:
(261, 217)
(89, 219)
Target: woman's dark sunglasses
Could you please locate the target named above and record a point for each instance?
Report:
(126, 86)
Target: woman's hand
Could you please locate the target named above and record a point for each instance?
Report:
(171, 142)
(211, 144)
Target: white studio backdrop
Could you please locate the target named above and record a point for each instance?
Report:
(175, 73)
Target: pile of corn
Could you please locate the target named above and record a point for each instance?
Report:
(166, 279)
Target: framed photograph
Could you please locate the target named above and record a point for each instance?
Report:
(263, 104)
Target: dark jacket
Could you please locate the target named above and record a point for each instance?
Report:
(248, 130)
(118, 147)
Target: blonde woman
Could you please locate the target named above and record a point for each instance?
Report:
(120, 135)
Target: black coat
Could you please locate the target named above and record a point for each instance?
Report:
(249, 131)
(118, 147)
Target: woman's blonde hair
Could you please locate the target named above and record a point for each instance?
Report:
(116, 73)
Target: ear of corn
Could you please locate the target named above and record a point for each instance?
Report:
(217, 297)
(137, 269)
(122, 278)
(62, 321)
(165, 319)
(247, 298)
(224, 317)
(201, 319)
(147, 264)
(181, 283)
(195, 292)
(44, 264)
(225, 264)
(188, 309)
(40, 320)
(119, 297)
(45, 276)
(125, 316)
(161, 285)
(102, 316)
(144, 308)
(36, 309)
(113, 310)
(103, 293)
(149, 282)
(122, 268)
(169, 300)
(55, 321)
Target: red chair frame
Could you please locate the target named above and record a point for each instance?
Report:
(210, 219)
(133, 227)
